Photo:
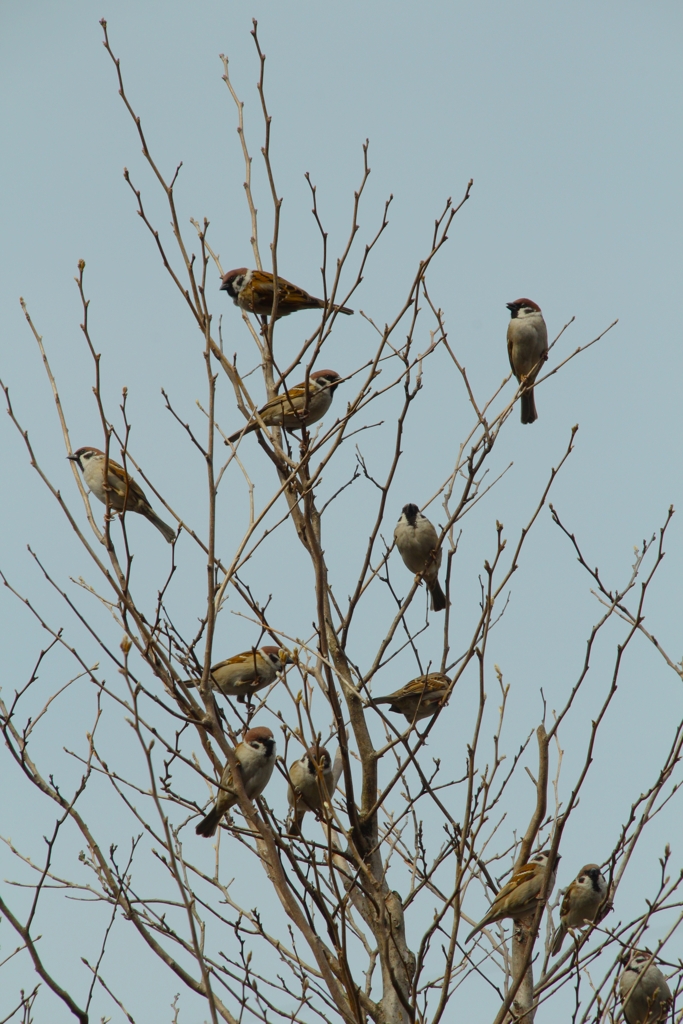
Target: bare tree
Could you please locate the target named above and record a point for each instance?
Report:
(363, 900)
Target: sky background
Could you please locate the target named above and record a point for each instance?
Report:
(568, 118)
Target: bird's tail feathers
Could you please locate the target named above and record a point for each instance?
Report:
(558, 939)
(208, 825)
(529, 414)
(295, 824)
(439, 601)
(239, 433)
(167, 531)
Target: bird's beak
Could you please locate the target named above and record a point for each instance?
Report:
(510, 305)
(72, 458)
(224, 285)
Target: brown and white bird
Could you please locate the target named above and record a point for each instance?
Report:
(644, 992)
(252, 290)
(527, 349)
(520, 896)
(581, 903)
(417, 540)
(120, 491)
(311, 782)
(246, 673)
(420, 698)
(256, 755)
(291, 409)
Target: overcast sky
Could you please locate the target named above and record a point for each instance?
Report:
(568, 118)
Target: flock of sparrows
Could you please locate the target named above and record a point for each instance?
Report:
(311, 780)
(643, 989)
(580, 906)
(307, 402)
(645, 994)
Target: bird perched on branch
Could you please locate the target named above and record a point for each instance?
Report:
(520, 896)
(246, 673)
(256, 755)
(296, 407)
(527, 349)
(420, 698)
(417, 540)
(311, 782)
(581, 903)
(252, 290)
(645, 995)
(120, 490)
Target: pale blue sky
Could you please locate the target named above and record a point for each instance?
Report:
(568, 118)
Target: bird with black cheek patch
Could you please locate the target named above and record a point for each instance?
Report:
(296, 407)
(521, 894)
(252, 290)
(527, 349)
(120, 490)
(256, 757)
(420, 698)
(417, 543)
(311, 784)
(581, 903)
(246, 673)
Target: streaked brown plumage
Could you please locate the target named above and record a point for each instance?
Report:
(291, 410)
(121, 491)
(252, 290)
(520, 896)
(248, 672)
(420, 698)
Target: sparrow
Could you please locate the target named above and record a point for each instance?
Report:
(416, 540)
(311, 782)
(581, 903)
(252, 290)
(247, 673)
(256, 755)
(291, 409)
(527, 349)
(520, 896)
(420, 698)
(121, 491)
(647, 999)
